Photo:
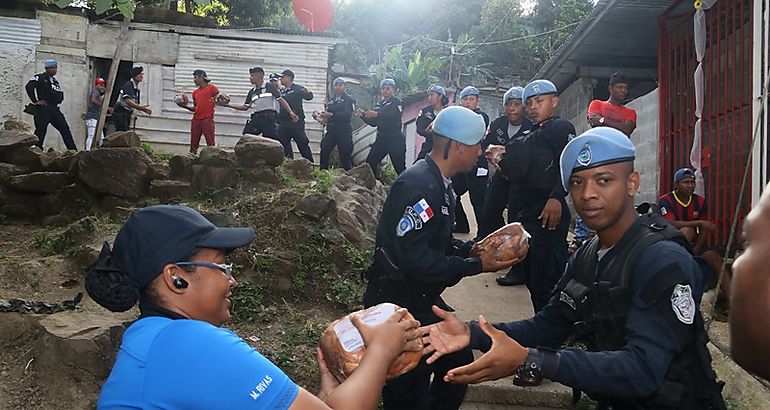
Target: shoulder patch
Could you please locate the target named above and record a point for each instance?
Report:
(423, 210)
(663, 210)
(683, 303)
(409, 221)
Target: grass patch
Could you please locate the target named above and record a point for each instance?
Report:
(388, 174)
(56, 244)
(323, 178)
(149, 150)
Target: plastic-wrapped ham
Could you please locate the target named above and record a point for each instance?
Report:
(343, 348)
(509, 242)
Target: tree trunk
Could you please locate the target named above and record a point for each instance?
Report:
(188, 4)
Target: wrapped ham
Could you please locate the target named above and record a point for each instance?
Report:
(343, 348)
(509, 242)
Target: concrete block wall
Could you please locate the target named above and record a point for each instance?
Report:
(645, 138)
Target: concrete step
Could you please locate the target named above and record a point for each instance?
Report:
(503, 392)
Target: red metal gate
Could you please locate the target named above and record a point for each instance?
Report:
(727, 105)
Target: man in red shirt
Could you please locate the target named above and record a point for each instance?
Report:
(612, 113)
(203, 108)
(687, 211)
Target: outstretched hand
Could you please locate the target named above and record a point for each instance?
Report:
(448, 336)
(328, 381)
(502, 360)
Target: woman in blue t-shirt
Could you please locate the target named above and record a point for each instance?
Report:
(176, 356)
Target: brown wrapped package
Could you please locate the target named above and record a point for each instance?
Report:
(509, 242)
(343, 348)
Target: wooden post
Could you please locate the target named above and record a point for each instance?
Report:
(120, 47)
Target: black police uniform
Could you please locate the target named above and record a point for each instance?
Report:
(415, 259)
(121, 113)
(44, 87)
(264, 100)
(339, 130)
(390, 140)
(496, 199)
(531, 163)
(475, 185)
(288, 129)
(636, 308)
(426, 117)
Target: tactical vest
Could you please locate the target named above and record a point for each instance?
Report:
(597, 303)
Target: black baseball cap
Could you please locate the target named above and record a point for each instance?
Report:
(201, 73)
(158, 235)
(288, 73)
(618, 78)
(259, 70)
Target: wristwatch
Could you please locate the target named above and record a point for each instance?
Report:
(601, 120)
(539, 364)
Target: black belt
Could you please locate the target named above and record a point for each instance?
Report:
(264, 113)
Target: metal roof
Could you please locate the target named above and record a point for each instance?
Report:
(618, 35)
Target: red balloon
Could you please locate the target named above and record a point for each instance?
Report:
(315, 15)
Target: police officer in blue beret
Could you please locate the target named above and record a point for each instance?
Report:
(339, 130)
(416, 258)
(537, 198)
(46, 93)
(505, 127)
(438, 100)
(474, 181)
(386, 116)
(631, 294)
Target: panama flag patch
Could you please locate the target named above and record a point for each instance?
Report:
(423, 209)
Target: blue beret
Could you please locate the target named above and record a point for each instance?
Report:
(50, 63)
(595, 147)
(538, 87)
(338, 81)
(460, 124)
(388, 81)
(514, 93)
(469, 90)
(437, 89)
(683, 173)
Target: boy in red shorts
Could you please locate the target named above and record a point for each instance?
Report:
(203, 108)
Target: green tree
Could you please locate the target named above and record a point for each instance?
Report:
(554, 15)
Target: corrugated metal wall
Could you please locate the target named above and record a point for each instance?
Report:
(227, 63)
(20, 31)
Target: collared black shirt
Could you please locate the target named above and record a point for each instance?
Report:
(498, 130)
(294, 94)
(421, 243)
(46, 88)
(341, 107)
(131, 91)
(388, 119)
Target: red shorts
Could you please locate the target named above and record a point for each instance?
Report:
(198, 127)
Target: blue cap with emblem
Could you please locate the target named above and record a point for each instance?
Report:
(595, 147)
(50, 63)
(538, 87)
(388, 81)
(437, 89)
(339, 81)
(460, 124)
(514, 93)
(469, 90)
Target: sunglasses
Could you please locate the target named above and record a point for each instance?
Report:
(225, 268)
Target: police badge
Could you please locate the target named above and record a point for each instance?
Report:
(683, 304)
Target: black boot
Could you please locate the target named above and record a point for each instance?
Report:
(514, 277)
